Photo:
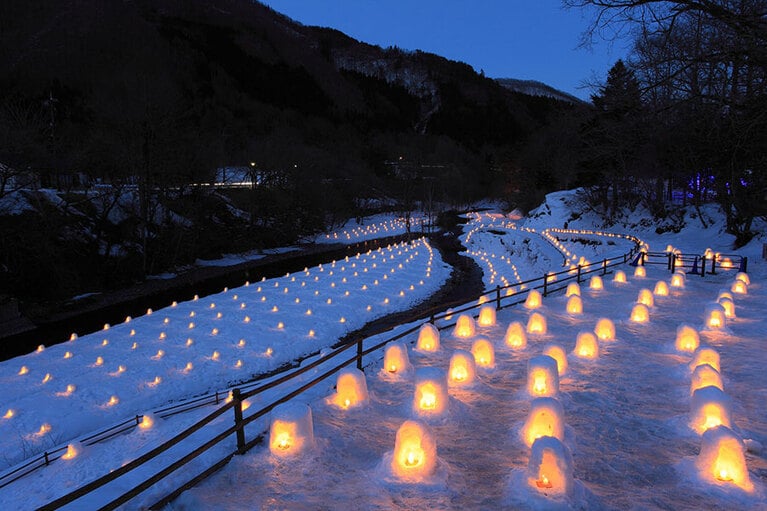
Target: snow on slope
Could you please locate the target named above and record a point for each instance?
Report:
(627, 416)
(198, 346)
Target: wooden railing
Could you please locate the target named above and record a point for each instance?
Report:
(502, 296)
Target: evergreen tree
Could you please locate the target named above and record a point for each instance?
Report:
(615, 137)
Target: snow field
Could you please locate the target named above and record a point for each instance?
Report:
(627, 417)
(58, 394)
(378, 226)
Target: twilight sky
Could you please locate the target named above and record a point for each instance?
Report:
(527, 39)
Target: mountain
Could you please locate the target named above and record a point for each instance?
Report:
(115, 85)
(141, 101)
(536, 88)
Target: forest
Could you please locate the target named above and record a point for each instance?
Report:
(116, 118)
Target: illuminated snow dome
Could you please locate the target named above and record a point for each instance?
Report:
(291, 432)
(542, 376)
(464, 326)
(351, 389)
(715, 317)
(430, 398)
(536, 324)
(428, 338)
(486, 316)
(462, 370)
(515, 337)
(414, 459)
(710, 407)
(484, 353)
(687, 339)
(722, 459)
(586, 346)
(546, 418)
(396, 360)
(550, 468)
(533, 300)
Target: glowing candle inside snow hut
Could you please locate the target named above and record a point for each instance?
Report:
(351, 388)
(645, 297)
(705, 356)
(677, 280)
(430, 396)
(72, 451)
(464, 326)
(619, 277)
(605, 329)
(705, 376)
(550, 469)
(291, 431)
(415, 452)
(557, 353)
(486, 315)
(640, 272)
(739, 287)
(574, 305)
(533, 300)
(586, 346)
(462, 370)
(687, 338)
(483, 352)
(661, 288)
(542, 376)
(536, 324)
(428, 338)
(573, 289)
(147, 421)
(722, 459)
(515, 336)
(596, 283)
(729, 307)
(710, 407)
(715, 317)
(546, 418)
(396, 360)
(744, 277)
(640, 313)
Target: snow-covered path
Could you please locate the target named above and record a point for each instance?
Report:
(627, 416)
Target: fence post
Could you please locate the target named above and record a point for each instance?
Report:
(359, 354)
(431, 318)
(744, 265)
(497, 298)
(237, 400)
(713, 265)
(604, 267)
(579, 274)
(703, 265)
(668, 263)
(545, 283)
(672, 263)
(47, 460)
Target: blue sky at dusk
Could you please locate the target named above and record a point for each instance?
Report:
(532, 39)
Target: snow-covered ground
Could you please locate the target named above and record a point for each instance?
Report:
(58, 394)
(627, 412)
(372, 227)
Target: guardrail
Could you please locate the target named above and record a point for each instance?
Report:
(515, 294)
(697, 264)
